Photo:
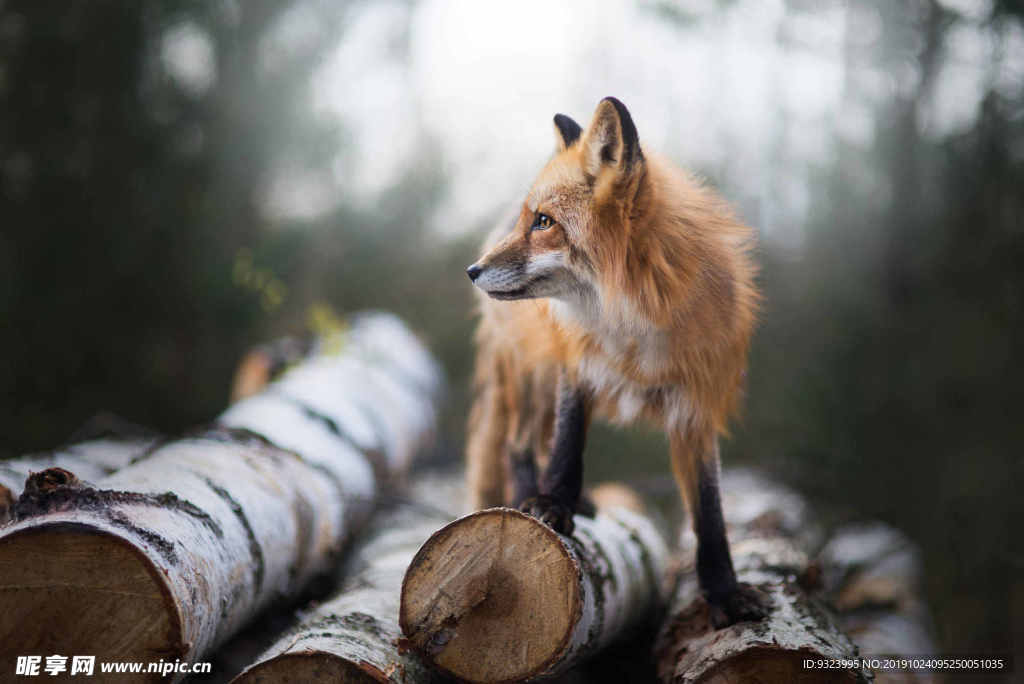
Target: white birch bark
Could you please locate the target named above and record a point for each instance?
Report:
(89, 460)
(169, 556)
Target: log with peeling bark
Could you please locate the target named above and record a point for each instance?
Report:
(771, 534)
(498, 596)
(354, 636)
(169, 556)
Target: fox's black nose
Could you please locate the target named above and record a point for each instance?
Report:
(474, 272)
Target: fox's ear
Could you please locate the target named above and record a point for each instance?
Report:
(567, 131)
(611, 141)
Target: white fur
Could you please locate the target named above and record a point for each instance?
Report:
(619, 334)
(544, 263)
(629, 397)
(629, 406)
(608, 382)
(604, 379)
(498, 278)
(678, 410)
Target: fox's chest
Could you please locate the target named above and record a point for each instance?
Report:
(623, 398)
(627, 367)
(618, 343)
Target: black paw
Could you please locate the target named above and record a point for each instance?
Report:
(745, 604)
(550, 511)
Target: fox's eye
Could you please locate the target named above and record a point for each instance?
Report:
(543, 222)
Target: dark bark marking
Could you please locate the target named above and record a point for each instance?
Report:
(255, 550)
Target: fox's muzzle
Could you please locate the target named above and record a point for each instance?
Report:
(502, 282)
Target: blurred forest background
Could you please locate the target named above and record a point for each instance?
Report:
(182, 179)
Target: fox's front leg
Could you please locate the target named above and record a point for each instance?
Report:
(695, 465)
(562, 483)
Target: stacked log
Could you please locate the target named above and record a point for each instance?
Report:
(354, 636)
(137, 550)
(167, 557)
(871, 575)
(498, 596)
(771, 535)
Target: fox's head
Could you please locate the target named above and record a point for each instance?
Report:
(575, 216)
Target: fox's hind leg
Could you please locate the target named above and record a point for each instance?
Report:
(530, 448)
(523, 475)
(695, 464)
(512, 415)
(486, 447)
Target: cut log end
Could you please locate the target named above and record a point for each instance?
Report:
(493, 596)
(103, 592)
(302, 668)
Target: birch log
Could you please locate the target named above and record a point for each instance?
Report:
(498, 596)
(377, 396)
(871, 575)
(769, 530)
(166, 558)
(353, 637)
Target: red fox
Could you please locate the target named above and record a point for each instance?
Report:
(625, 288)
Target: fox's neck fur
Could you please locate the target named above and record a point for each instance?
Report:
(673, 270)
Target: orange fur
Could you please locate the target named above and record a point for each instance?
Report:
(651, 307)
